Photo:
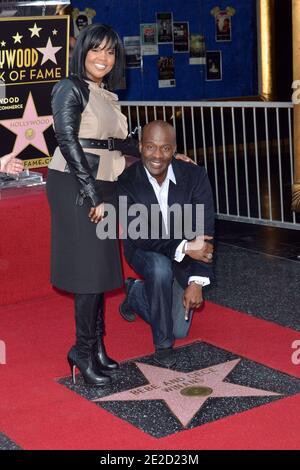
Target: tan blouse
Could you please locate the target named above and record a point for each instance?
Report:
(101, 119)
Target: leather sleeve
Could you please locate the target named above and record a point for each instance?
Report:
(67, 106)
(130, 146)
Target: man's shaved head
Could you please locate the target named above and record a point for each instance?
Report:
(157, 146)
(159, 128)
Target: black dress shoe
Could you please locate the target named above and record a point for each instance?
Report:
(165, 357)
(124, 308)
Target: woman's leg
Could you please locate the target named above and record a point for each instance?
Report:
(105, 362)
(83, 354)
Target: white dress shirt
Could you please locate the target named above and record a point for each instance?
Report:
(162, 194)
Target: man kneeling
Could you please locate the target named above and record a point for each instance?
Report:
(174, 268)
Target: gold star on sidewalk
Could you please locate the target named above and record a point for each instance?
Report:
(54, 32)
(35, 31)
(17, 38)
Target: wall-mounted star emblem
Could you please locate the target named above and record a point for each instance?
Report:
(17, 38)
(35, 31)
(186, 393)
(49, 52)
(29, 128)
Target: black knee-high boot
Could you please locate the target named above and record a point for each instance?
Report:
(105, 362)
(83, 354)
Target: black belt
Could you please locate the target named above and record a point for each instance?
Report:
(108, 144)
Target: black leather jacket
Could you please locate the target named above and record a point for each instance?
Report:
(69, 98)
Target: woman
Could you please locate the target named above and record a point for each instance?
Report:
(10, 164)
(83, 174)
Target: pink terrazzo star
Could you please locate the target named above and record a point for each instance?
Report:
(185, 393)
(29, 128)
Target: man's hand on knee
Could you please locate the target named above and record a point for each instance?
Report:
(192, 298)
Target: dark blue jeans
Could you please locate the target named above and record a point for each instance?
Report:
(158, 299)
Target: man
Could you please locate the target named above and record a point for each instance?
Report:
(174, 269)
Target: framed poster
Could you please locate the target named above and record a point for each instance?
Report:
(181, 37)
(164, 23)
(223, 27)
(223, 23)
(133, 56)
(148, 34)
(166, 72)
(213, 65)
(197, 49)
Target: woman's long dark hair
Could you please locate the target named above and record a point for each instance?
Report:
(90, 38)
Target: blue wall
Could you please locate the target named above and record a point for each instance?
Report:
(239, 56)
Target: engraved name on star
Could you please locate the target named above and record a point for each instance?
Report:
(17, 38)
(49, 52)
(29, 128)
(186, 393)
(35, 31)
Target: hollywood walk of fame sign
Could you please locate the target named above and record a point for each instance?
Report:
(33, 57)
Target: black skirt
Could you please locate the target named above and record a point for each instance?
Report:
(80, 262)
